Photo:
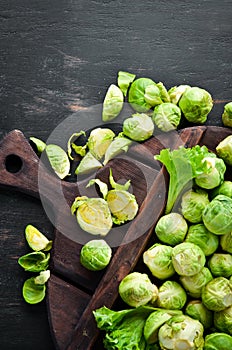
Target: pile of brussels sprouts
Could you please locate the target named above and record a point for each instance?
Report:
(184, 300)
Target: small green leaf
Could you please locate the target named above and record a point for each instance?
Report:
(124, 80)
(33, 293)
(34, 262)
(74, 146)
(117, 186)
(43, 277)
(102, 186)
(59, 160)
(40, 145)
(88, 164)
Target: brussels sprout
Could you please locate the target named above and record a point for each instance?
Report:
(220, 265)
(40, 145)
(124, 80)
(119, 145)
(215, 176)
(152, 95)
(36, 240)
(136, 289)
(188, 259)
(171, 228)
(113, 103)
(33, 293)
(181, 332)
(196, 103)
(226, 242)
(223, 320)
(192, 205)
(163, 92)
(99, 140)
(139, 127)
(58, 159)
(154, 321)
(136, 95)
(227, 114)
(88, 164)
(217, 215)
(206, 240)
(217, 294)
(166, 116)
(43, 277)
(194, 284)
(171, 295)
(34, 262)
(158, 259)
(123, 206)
(225, 188)
(224, 150)
(95, 255)
(197, 310)
(218, 341)
(176, 92)
(93, 215)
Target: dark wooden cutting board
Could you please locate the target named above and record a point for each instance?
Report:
(74, 292)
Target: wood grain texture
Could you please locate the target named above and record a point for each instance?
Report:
(55, 58)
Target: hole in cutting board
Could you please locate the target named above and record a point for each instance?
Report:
(13, 163)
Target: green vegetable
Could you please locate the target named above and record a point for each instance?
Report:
(95, 255)
(124, 81)
(158, 259)
(43, 277)
(225, 188)
(215, 175)
(136, 289)
(206, 240)
(183, 165)
(217, 215)
(99, 140)
(113, 103)
(119, 145)
(136, 95)
(163, 92)
(224, 150)
(192, 205)
(78, 149)
(138, 127)
(181, 332)
(196, 103)
(217, 294)
(197, 310)
(34, 262)
(227, 114)
(59, 160)
(223, 320)
(166, 116)
(171, 295)
(152, 95)
(194, 284)
(188, 259)
(88, 164)
(36, 240)
(40, 145)
(33, 293)
(176, 92)
(226, 242)
(218, 341)
(93, 215)
(171, 228)
(220, 265)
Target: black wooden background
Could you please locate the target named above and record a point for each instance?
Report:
(58, 56)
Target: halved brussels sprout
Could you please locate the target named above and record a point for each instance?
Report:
(36, 240)
(217, 215)
(225, 188)
(197, 310)
(171, 228)
(206, 240)
(223, 320)
(138, 127)
(113, 103)
(136, 95)
(194, 284)
(176, 92)
(123, 206)
(88, 164)
(166, 116)
(188, 259)
(124, 81)
(136, 289)
(224, 150)
(181, 332)
(196, 103)
(171, 295)
(93, 215)
(218, 341)
(99, 140)
(217, 294)
(95, 255)
(227, 114)
(192, 205)
(220, 265)
(158, 259)
(215, 176)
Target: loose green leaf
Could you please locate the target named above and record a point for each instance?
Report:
(113, 103)
(40, 145)
(43, 277)
(102, 186)
(88, 164)
(36, 240)
(124, 80)
(81, 150)
(118, 186)
(78, 149)
(163, 92)
(119, 145)
(59, 160)
(34, 262)
(33, 293)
